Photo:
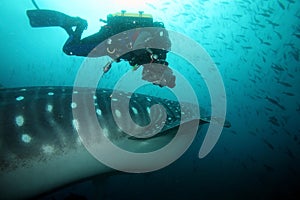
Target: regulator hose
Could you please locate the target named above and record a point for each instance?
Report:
(35, 5)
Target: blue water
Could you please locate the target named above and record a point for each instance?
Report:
(256, 48)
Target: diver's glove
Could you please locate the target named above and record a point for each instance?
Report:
(79, 23)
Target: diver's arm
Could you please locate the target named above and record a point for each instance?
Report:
(91, 46)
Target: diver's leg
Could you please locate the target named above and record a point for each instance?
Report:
(87, 46)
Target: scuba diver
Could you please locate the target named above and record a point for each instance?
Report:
(128, 38)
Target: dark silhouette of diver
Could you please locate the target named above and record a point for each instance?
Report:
(123, 32)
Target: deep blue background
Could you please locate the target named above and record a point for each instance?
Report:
(256, 47)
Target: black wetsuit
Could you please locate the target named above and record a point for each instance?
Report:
(86, 46)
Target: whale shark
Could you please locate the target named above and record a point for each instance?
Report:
(40, 149)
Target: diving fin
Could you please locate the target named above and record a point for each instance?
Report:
(48, 18)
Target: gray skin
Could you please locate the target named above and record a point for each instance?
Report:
(40, 149)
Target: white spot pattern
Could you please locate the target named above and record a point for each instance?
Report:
(49, 108)
(98, 111)
(134, 110)
(73, 105)
(75, 124)
(48, 149)
(19, 120)
(26, 138)
(105, 132)
(19, 98)
(118, 113)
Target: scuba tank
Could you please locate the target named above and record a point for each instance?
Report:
(122, 21)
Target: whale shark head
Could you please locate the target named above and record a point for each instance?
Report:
(40, 149)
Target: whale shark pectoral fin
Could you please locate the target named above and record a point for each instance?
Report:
(170, 131)
(205, 120)
(202, 120)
